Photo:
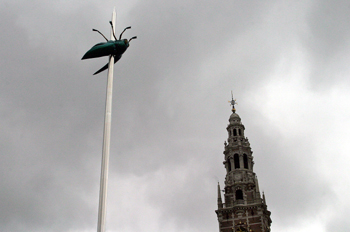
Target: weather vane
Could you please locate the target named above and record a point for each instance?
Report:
(114, 48)
(233, 103)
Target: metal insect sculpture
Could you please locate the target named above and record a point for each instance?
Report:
(115, 48)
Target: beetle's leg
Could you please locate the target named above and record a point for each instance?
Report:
(110, 22)
(135, 37)
(100, 34)
(120, 37)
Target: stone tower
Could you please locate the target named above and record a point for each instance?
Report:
(244, 208)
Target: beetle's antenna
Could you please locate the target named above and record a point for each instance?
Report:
(100, 34)
(110, 22)
(135, 37)
(120, 37)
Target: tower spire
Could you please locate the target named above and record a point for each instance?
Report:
(219, 197)
(244, 208)
(257, 186)
(264, 199)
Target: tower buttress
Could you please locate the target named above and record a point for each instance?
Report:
(244, 208)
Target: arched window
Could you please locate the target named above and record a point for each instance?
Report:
(239, 132)
(245, 161)
(236, 159)
(239, 194)
(229, 165)
(234, 132)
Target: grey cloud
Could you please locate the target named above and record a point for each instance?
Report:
(165, 115)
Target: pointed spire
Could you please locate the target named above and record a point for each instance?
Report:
(264, 199)
(257, 185)
(219, 197)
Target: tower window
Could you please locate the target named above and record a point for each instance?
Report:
(234, 132)
(229, 165)
(236, 159)
(245, 161)
(239, 132)
(239, 194)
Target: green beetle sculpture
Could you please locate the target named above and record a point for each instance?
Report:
(114, 48)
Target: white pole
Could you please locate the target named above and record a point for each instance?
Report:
(106, 142)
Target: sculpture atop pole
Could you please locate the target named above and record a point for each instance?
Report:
(113, 48)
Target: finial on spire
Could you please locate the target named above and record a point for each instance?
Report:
(233, 103)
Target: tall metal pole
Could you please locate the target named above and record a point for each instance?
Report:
(106, 142)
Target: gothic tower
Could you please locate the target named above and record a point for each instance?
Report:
(244, 208)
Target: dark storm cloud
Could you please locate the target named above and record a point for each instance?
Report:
(327, 40)
(42, 119)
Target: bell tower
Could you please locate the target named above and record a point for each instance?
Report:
(244, 208)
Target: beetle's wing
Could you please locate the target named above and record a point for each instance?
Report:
(101, 69)
(116, 58)
(99, 50)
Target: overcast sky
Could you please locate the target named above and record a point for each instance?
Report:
(287, 63)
